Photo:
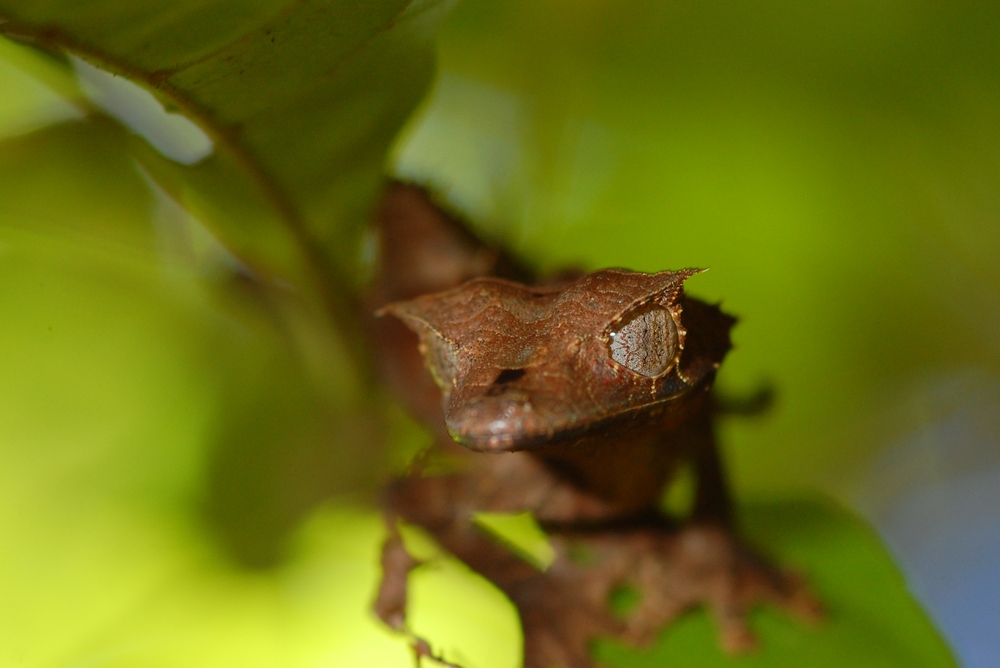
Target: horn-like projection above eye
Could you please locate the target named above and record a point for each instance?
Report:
(646, 341)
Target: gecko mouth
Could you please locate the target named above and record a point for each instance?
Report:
(506, 417)
(499, 420)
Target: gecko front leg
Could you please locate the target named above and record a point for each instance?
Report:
(707, 562)
(561, 610)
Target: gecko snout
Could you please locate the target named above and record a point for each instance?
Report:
(494, 420)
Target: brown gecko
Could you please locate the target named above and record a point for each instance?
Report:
(577, 399)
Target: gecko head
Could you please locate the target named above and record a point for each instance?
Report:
(520, 367)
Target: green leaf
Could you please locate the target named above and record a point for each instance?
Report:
(77, 160)
(120, 372)
(39, 91)
(301, 100)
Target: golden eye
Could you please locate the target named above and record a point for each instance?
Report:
(646, 341)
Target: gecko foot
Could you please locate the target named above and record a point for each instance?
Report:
(560, 617)
(733, 579)
(566, 608)
(674, 571)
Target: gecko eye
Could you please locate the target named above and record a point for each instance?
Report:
(645, 341)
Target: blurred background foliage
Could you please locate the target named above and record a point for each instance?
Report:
(185, 436)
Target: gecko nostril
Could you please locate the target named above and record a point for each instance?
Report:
(509, 376)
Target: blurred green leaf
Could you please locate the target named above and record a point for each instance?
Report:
(77, 161)
(38, 90)
(128, 381)
(301, 101)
